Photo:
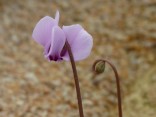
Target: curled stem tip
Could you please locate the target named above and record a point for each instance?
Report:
(99, 67)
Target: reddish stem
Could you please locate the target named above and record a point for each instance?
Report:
(75, 78)
(117, 83)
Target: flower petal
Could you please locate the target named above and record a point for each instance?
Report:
(57, 17)
(81, 42)
(57, 43)
(71, 32)
(42, 31)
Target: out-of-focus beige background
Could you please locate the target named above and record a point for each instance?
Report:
(124, 32)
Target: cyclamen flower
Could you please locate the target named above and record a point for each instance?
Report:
(53, 38)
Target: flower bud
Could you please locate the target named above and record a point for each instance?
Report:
(100, 67)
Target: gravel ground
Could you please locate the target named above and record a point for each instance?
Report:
(124, 32)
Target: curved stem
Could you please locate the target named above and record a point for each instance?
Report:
(76, 79)
(117, 83)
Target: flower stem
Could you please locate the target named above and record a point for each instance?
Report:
(117, 82)
(76, 79)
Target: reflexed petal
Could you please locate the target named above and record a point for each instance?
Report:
(43, 29)
(57, 17)
(57, 44)
(71, 32)
(81, 42)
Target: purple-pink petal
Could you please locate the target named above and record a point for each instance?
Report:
(71, 32)
(81, 42)
(53, 50)
(42, 31)
(48, 34)
(57, 17)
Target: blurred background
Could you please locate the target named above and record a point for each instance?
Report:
(124, 31)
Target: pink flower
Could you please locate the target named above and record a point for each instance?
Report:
(48, 34)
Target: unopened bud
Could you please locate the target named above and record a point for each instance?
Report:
(100, 67)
